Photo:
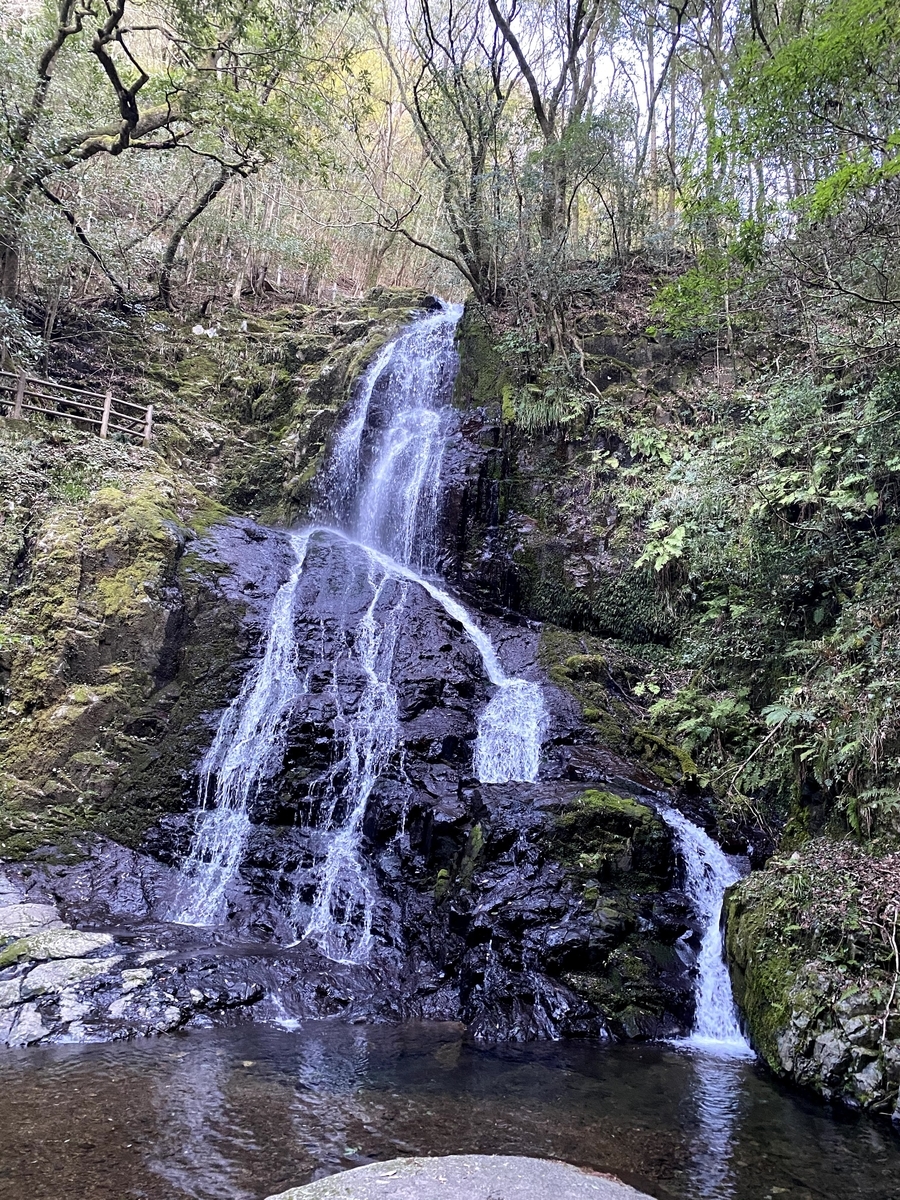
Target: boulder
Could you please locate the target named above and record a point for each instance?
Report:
(23, 920)
(64, 973)
(55, 943)
(466, 1177)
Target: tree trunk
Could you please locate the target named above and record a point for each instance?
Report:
(9, 264)
(10, 241)
(168, 260)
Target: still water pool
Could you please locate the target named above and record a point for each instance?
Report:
(241, 1113)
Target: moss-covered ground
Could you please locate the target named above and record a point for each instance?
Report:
(108, 652)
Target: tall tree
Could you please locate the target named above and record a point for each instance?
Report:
(456, 84)
(111, 78)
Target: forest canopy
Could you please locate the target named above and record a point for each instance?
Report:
(524, 150)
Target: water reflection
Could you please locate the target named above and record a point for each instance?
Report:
(248, 1112)
(190, 1154)
(717, 1094)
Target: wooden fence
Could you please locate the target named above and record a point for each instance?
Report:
(103, 413)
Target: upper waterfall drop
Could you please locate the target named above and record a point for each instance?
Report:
(380, 499)
(382, 484)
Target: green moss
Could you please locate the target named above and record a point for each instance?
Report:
(618, 605)
(482, 379)
(671, 763)
(625, 989)
(83, 635)
(599, 673)
(763, 967)
(195, 368)
(603, 836)
(471, 854)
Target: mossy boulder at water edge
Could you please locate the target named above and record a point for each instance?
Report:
(812, 943)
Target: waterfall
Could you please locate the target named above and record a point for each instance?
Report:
(341, 919)
(382, 484)
(708, 871)
(380, 495)
(247, 750)
(508, 744)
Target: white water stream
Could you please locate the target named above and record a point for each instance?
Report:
(247, 750)
(708, 873)
(381, 497)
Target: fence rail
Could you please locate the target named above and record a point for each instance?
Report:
(105, 413)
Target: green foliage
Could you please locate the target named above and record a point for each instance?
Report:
(790, 591)
(17, 339)
(830, 77)
(698, 720)
(663, 547)
(854, 177)
(694, 302)
(546, 390)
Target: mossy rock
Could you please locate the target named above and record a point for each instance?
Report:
(626, 989)
(603, 836)
(94, 632)
(763, 968)
(671, 763)
(611, 604)
(482, 379)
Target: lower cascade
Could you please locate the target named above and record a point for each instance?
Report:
(246, 750)
(381, 502)
(708, 873)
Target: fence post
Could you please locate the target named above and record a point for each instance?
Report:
(20, 396)
(148, 427)
(104, 420)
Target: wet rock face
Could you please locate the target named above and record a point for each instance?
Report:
(525, 910)
(519, 908)
(525, 527)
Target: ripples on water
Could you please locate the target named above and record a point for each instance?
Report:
(238, 1114)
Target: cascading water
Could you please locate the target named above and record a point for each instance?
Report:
(382, 484)
(341, 920)
(708, 873)
(382, 490)
(381, 498)
(248, 749)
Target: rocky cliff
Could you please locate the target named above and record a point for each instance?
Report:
(606, 546)
(134, 603)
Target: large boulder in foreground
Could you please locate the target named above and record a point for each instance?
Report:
(466, 1177)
